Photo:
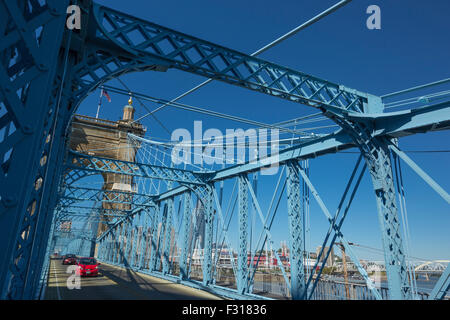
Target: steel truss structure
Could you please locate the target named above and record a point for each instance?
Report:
(47, 70)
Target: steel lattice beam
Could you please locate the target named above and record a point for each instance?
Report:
(78, 194)
(209, 220)
(148, 40)
(295, 231)
(168, 236)
(375, 151)
(442, 286)
(187, 212)
(103, 165)
(242, 270)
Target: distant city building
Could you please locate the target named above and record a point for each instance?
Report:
(330, 260)
(262, 260)
(284, 249)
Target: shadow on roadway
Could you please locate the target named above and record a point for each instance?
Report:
(147, 287)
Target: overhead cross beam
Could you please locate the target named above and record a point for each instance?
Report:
(389, 125)
(103, 165)
(77, 194)
(172, 49)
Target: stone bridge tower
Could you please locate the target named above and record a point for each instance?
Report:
(108, 139)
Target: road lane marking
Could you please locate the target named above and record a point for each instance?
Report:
(56, 277)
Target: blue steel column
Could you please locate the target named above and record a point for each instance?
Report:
(104, 256)
(107, 247)
(111, 246)
(138, 242)
(104, 249)
(209, 225)
(119, 230)
(104, 253)
(116, 243)
(242, 270)
(380, 168)
(100, 253)
(50, 247)
(127, 225)
(27, 100)
(185, 234)
(144, 239)
(296, 233)
(154, 239)
(121, 243)
(99, 250)
(376, 153)
(49, 201)
(442, 285)
(161, 237)
(133, 250)
(168, 237)
(128, 244)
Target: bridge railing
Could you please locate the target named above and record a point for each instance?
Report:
(273, 285)
(330, 290)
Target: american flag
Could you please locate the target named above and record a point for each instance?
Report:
(105, 93)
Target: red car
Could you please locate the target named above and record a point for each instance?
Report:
(69, 259)
(87, 267)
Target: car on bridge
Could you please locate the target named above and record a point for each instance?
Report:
(69, 259)
(87, 267)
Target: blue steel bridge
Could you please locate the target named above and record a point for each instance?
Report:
(75, 184)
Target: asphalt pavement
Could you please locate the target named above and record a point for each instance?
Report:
(114, 283)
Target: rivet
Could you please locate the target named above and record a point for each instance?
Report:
(27, 129)
(9, 201)
(42, 67)
(55, 12)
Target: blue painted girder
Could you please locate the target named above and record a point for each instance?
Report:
(103, 165)
(172, 49)
(398, 124)
(106, 196)
(427, 119)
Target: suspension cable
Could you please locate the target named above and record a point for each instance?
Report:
(416, 88)
(202, 110)
(263, 49)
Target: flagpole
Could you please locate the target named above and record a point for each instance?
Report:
(99, 102)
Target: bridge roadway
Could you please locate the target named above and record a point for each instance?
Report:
(114, 283)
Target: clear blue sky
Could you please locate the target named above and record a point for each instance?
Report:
(412, 48)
